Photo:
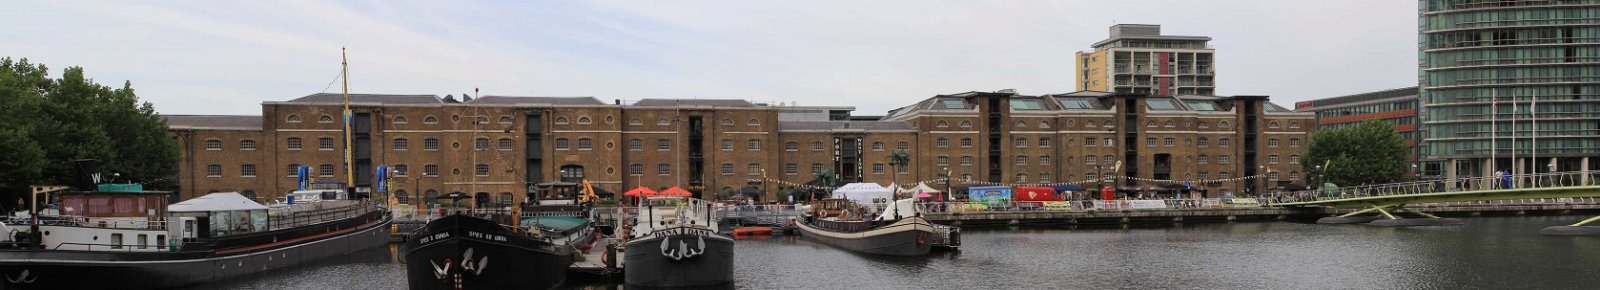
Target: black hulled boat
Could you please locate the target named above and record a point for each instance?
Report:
(675, 243)
(484, 250)
(841, 223)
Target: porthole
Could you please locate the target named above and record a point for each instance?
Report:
(610, 145)
(455, 118)
(609, 120)
(456, 171)
(610, 170)
(455, 145)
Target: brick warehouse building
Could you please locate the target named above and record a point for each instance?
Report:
(438, 146)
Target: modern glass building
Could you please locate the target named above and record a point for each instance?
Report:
(1509, 85)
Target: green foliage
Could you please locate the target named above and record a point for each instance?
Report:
(1369, 152)
(46, 123)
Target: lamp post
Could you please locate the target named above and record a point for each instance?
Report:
(1262, 191)
(1099, 177)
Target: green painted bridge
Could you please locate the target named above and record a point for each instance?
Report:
(1385, 200)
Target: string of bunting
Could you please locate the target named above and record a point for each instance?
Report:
(831, 188)
(1096, 180)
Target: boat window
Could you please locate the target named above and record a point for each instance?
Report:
(116, 241)
(161, 240)
(144, 241)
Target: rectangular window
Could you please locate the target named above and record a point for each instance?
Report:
(727, 145)
(791, 169)
(727, 169)
(755, 169)
(877, 168)
(1089, 142)
(143, 241)
(400, 144)
(430, 144)
(663, 145)
(664, 169)
(116, 241)
(430, 170)
(754, 145)
(247, 170)
(325, 144)
(294, 143)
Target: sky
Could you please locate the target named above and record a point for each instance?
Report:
(210, 57)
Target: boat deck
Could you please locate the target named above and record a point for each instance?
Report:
(593, 262)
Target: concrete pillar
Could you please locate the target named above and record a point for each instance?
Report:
(1519, 171)
(1584, 168)
(1487, 170)
(1450, 173)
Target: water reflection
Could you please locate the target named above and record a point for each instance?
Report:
(1488, 252)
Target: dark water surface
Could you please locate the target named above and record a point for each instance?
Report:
(1487, 253)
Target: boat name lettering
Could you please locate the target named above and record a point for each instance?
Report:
(680, 231)
(491, 237)
(433, 237)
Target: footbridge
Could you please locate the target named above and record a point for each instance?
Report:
(1382, 204)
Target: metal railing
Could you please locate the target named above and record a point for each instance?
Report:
(1519, 181)
(293, 219)
(112, 247)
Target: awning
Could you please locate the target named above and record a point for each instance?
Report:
(220, 201)
(640, 191)
(675, 191)
(1067, 187)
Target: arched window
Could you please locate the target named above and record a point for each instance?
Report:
(325, 119)
(1044, 125)
(1223, 124)
(635, 122)
(1151, 124)
(1168, 124)
(941, 124)
(401, 197)
(1088, 124)
(755, 122)
(561, 121)
(727, 122)
(399, 119)
(584, 121)
(293, 119)
(1203, 125)
(1294, 125)
(1021, 124)
(505, 120)
(430, 120)
(481, 120)
(430, 197)
(966, 124)
(663, 122)
(1272, 125)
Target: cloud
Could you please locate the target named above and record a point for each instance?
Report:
(874, 55)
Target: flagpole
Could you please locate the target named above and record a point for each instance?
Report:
(1514, 162)
(1533, 114)
(1494, 113)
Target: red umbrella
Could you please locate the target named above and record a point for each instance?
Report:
(676, 191)
(640, 191)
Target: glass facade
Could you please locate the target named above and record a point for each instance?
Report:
(1483, 65)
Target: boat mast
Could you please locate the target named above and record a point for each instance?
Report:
(349, 173)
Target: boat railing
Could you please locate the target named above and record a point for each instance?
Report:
(311, 217)
(112, 247)
(95, 222)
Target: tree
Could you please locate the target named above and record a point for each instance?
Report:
(898, 160)
(47, 123)
(1369, 152)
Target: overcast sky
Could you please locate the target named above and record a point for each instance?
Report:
(226, 58)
